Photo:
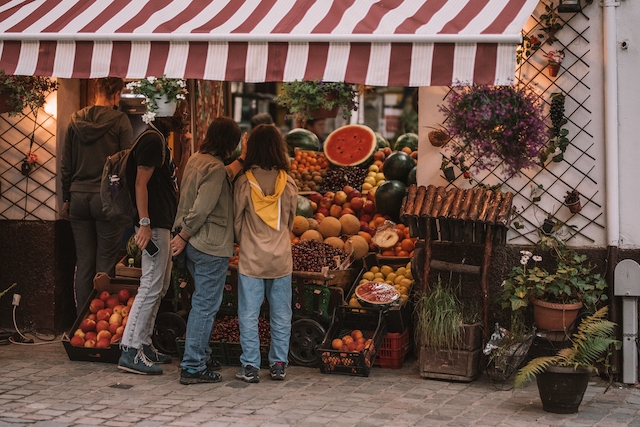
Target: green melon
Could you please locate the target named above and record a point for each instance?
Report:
(406, 140)
(388, 198)
(304, 207)
(350, 145)
(411, 178)
(398, 165)
(303, 139)
(381, 141)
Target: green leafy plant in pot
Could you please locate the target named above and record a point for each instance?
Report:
(20, 93)
(562, 379)
(304, 99)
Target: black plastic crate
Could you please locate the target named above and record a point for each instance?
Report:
(218, 350)
(345, 319)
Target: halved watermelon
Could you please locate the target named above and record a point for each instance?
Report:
(350, 145)
(377, 294)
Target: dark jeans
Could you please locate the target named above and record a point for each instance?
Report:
(97, 242)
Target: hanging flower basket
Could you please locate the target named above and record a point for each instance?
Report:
(572, 201)
(4, 102)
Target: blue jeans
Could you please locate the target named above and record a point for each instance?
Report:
(209, 273)
(154, 283)
(251, 293)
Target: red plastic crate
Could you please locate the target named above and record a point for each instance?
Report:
(394, 348)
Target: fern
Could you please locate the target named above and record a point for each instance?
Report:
(590, 343)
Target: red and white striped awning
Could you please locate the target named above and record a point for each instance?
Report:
(375, 42)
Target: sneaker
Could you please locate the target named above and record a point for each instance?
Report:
(213, 364)
(134, 360)
(277, 371)
(248, 374)
(205, 376)
(154, 355)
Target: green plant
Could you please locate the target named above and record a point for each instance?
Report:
(304, 97)
(591, 342)
(153, 88)
(571, 281)
(529, 45)
(551, 22)
(26, 92)
(572, 196)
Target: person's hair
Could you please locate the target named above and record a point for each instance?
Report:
(261, 119)
(267, 149)
(222, 137)
(109, 86)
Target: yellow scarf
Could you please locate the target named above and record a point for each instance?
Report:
(268, 207)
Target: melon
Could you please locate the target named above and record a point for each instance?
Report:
(330, 227)
(350, 145)
(388, 198)
(406, 140)
(311, 235)
(398, 165)
(358, 245)
(350, 224)
(304, 207)
(411, 178)
(300, 225)
(377, 294)
(335, 242)
(381, 141)
(303, 139)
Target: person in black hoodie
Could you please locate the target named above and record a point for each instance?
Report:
(94, 133)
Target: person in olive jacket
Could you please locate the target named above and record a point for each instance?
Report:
(95, 133)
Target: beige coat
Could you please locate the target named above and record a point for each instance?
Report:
(264, 252)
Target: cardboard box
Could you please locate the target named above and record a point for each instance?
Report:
(101, 282)
(123, 269)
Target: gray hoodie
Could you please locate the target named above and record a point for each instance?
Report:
(94, 134)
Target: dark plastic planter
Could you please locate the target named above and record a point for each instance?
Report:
(562, 388)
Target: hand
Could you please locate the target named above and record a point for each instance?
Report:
(143, 236)
(177, 245)
(244, 145)
(185, 141)
(64, 212)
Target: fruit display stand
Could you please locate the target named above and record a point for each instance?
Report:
(101, 283)
(345, 320)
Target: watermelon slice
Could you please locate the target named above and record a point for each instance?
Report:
(377, 294)
(350, 145)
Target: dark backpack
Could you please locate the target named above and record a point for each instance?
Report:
(117, 186)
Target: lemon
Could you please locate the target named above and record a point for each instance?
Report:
(399, 279)
(385, 269)
(408, 275)
(408, 267)
(379, 176)
(391, 277)
(402, 271)
(364, 281)
(379, 280)
(370, 180)
(404, 299)
(366, 186)
(374, 168)
(373, 174)
(403, 290)
(374, 269)
(378, 275)
(368, 275)
(406, 283)
(354, 302)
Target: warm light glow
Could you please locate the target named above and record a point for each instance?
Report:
(51, 106)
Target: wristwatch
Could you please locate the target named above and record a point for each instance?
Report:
(144, 222)
(240, 159)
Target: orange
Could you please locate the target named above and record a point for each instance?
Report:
(407, 150)
(403, 254)
(352, 346)
(388, 253)
(366, 236)
(400, 227)
(379, 221)
(347, 339)
(396, 249)
(400, 234)
(356, 334)
(407, 245)
(336, 344)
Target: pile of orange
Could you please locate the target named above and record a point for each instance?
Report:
(405, 246)
(355, 341)
(309, 161)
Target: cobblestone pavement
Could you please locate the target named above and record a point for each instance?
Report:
(39, 386)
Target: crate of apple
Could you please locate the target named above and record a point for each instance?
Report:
(105, 320)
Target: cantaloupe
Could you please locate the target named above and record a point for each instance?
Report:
(311, 235)
(358, 245)
(330, 227)
(336, 242)
(300, 225)
(350, 224)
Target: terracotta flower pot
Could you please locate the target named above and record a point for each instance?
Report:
(324, 113)
(552, 316)
(553, 69)
(574, 207)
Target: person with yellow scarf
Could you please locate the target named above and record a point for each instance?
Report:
(265, 200)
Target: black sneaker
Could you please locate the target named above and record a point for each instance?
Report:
(135, 361)
(277, 371)
(205, 376)
(154, 355)
(248, 374)
(213, 364)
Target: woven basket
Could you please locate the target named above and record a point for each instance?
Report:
(438, 138)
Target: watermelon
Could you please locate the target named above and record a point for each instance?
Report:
(407, 140)
(388, 198)
(303, 207)
(377, 294)
(411, 178)
(398, 165)
(381, 141)
(350, 145)
(303, 139)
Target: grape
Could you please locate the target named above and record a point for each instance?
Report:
(309, 255)
(339, 176)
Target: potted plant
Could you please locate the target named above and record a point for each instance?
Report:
(19, 93)
(161, 95)
(311, 99)
(562, 379)
(557, 294)
(498, 125)
(572, 201)
(554, 57)
(551, 22)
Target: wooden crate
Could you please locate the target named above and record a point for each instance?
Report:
(123, 270)
(453, 365)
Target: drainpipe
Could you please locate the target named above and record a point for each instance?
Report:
(612, 197)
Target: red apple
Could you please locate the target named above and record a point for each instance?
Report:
(115, 338)
(88, 325)
(92, 316)
(315, 197)
(90, 336)
(369, 207)
(326, 203)
(371, 195)
(357, 203)
(95, 305)
(113, 327)
(120, 329)
(123, 296)
(102, 315)
(90, 343)
(109, 310)
(103, 334)
(104, 296)
(115, 318)
(340, 198)
(347, 211)
(354, 194)
(364, 226)
(102, 325)
(130, 301)
(366, 217)
(77, 341)
(329, 194)
(335, 211)
(124, 312)
(346, 205)
(118, 309)
(373, 247)
(103, 343)
(79, 332)
(322, 211)
(112, 302)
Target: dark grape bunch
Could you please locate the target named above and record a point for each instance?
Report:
(309, 255)
(228, 329)
(557, 112)
(339, 176)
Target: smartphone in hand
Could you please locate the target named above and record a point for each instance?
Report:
(151, 249)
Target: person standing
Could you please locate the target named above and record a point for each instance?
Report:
(156, 203)
(265, 205)
(95, 133)
(204, 232)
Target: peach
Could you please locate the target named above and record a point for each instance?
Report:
(79, 332)
(103, 335)
(102, 315)
(123, 296)
(77, 341)
(103, 343)
(115, 318)
(88, 325)
(112, 302)
(104, 296)
(90, 343)
(102, 325)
